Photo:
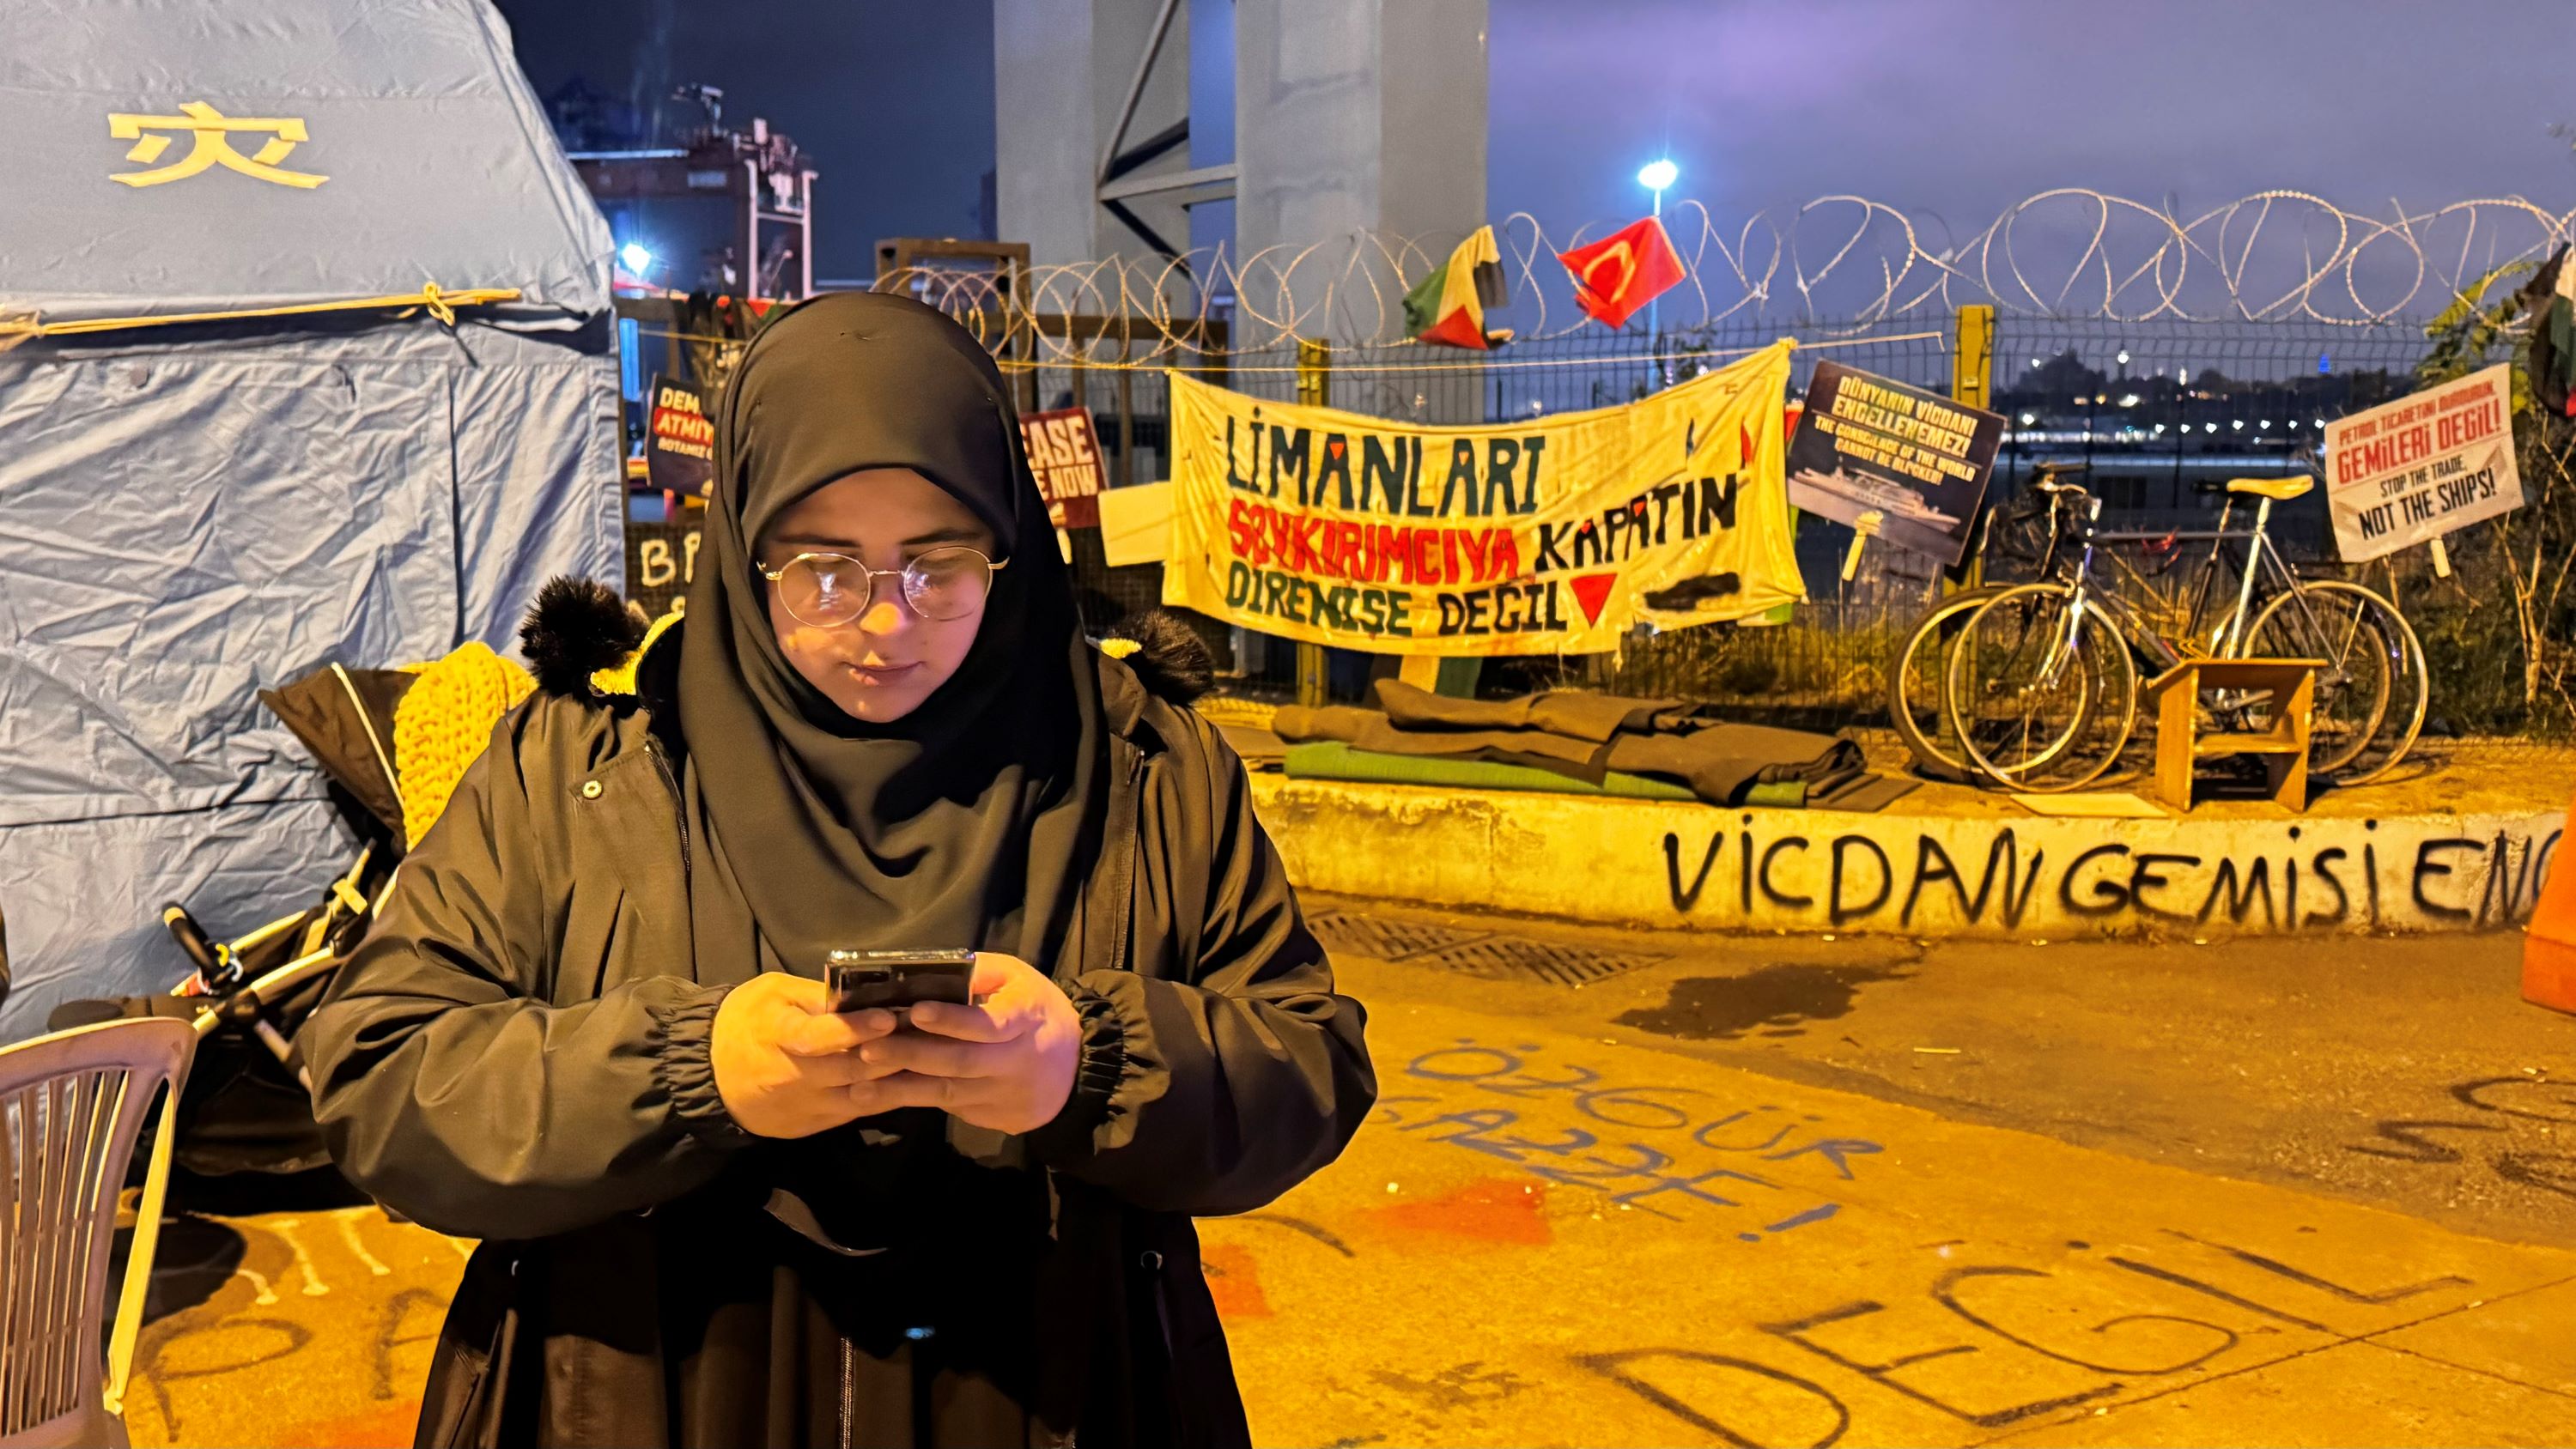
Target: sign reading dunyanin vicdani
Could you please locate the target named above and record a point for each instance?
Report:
(1552, 536)
(1910, 465)
(2410, 471)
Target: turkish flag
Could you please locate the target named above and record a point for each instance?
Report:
(1623, 271)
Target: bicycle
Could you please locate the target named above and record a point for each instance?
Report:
(1917, 680)
(2041, 685)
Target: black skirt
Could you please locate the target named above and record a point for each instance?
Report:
(825, 1294)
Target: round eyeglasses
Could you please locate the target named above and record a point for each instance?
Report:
(827, 590)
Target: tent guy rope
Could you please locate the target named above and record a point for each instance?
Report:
(432, 298)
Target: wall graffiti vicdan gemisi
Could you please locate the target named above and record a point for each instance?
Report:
(2087, 877)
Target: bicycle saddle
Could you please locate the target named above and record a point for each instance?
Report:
(2279, 490)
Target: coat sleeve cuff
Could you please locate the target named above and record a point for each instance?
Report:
(683, 1031)
(1103, 1066)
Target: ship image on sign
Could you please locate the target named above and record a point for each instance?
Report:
(1897, 461)
(1876, 493)
(1549, 536)
(2410, 471)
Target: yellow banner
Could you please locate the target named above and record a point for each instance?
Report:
(1548, 537)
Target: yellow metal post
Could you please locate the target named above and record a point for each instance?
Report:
(1314, 389)
(1972, 356)
(1314, 372)
(1972, 379)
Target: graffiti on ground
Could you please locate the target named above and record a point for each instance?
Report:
(1754, 1170)
(2518, 1127)
(1992, 1343)
(344, 1302)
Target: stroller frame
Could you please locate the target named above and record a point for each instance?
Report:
(234, 998)
(248, 1108)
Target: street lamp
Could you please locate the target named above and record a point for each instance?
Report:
(1655, 176)
(636, 256)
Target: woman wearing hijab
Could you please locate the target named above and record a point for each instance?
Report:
(589, 1026)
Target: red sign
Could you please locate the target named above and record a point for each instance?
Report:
(1064, 453)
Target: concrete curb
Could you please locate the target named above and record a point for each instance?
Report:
(1696, 867)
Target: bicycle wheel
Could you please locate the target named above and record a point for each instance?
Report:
(1918, 679)
(2041, 697)
(2372, 693)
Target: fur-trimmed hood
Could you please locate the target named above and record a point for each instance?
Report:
(579, 629)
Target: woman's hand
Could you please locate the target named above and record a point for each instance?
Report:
(785, 1065)
(1006, 1064)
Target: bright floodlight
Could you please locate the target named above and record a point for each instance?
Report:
(1658, 174)
(636, 256)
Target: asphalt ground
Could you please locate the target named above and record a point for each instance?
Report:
(1631, 1188)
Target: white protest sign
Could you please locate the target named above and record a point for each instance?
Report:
(2410, 471)
(1136, 524)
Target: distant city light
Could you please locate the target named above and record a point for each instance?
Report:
(2237, 426)
(2027, 419)
(1656, 175)
(2321, 422)
(2209, 427)
(2124, 357)
(636, 256)
(2129, 400)
(2267, 424)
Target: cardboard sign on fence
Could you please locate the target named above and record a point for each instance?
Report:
(661, 562)
(680, 446)
(1550, 536)
(1907, 465)
(1064, 453)
(2410, 471)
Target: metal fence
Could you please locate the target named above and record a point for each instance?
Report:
(2156, 409)
(2167, 349)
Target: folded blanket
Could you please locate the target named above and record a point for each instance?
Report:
(1371, 730)
(1721, 763)
(1594, 717)
(1333, 760)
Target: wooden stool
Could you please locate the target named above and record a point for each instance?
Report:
(2181, 743)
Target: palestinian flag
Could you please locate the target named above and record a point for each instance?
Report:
(1615, 277)
(1449, 305)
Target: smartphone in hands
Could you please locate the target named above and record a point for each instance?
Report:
(897, 980)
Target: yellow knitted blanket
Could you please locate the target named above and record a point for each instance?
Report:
(442, 724)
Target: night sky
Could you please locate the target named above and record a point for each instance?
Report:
(1947, 108)
(894, 101)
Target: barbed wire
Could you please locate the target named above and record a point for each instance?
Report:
(2070, 253)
